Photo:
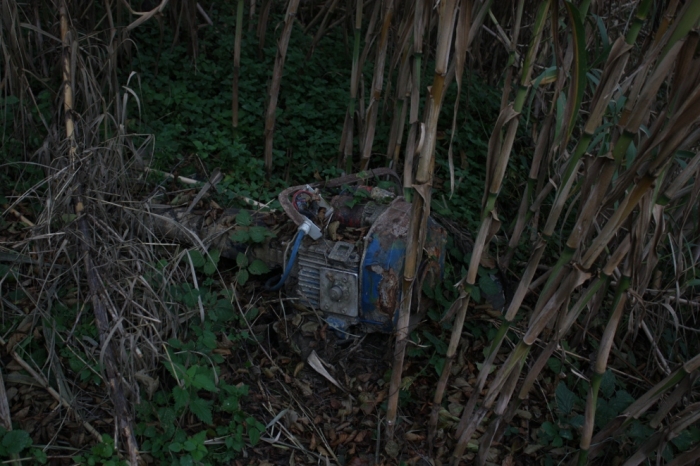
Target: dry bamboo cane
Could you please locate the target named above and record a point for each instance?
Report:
(346, 144)
(114, 378)
(419, 21)
(499, 153)
(421, 206)
(377, 85)
(617, 64)
(277, 80)
(236, 66)
(488, 228)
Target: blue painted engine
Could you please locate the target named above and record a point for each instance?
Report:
(349, 261)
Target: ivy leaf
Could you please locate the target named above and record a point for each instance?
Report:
(202, 410)
(565, 398)
(204, 382)
(197, 258)
(243, 218)
(258, 267)
(241, 260)
(243, 276)
(181, 397)
(240, 236)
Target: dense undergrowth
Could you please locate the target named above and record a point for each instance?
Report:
(185, 101)
(196, 406)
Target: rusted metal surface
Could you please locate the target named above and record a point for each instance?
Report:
(383, 262)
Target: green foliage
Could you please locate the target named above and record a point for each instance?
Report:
(103, 454)
(246, 233)
(189, 110)
(18, 442)
(197, 394)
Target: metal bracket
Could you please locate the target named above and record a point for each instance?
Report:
(338, 293)
(341, 252)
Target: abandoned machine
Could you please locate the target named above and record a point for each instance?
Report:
(340, 246)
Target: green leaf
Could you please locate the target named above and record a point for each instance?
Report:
(208, 339)
(252, 314)
(549, 428)
(240, 236)
(253, 435)
(620, 402)
(181, 397)
(175, 447)
(212, 261)
(258, 267)
(565, 398)
(15, 441)
(189, 445)
(258, 234)
(488, 286)
(241, 260)
(204, 382)
(439, 345)
(214, 256)
(243, 276)
(201, 408)
(577, 421)
(243, 218)
(607, 384)
(476, 294)
(554, 364)
(197, 258)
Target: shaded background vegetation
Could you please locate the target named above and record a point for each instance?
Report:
(574, 164)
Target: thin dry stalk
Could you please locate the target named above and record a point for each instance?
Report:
(282, 46)
(377, 85)
(236, 65)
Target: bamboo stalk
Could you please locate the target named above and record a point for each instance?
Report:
(277, 81)
(346, 145)
(377, 85)
(236, 66)
(421, 206)
(499, 153)
(419, 21)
